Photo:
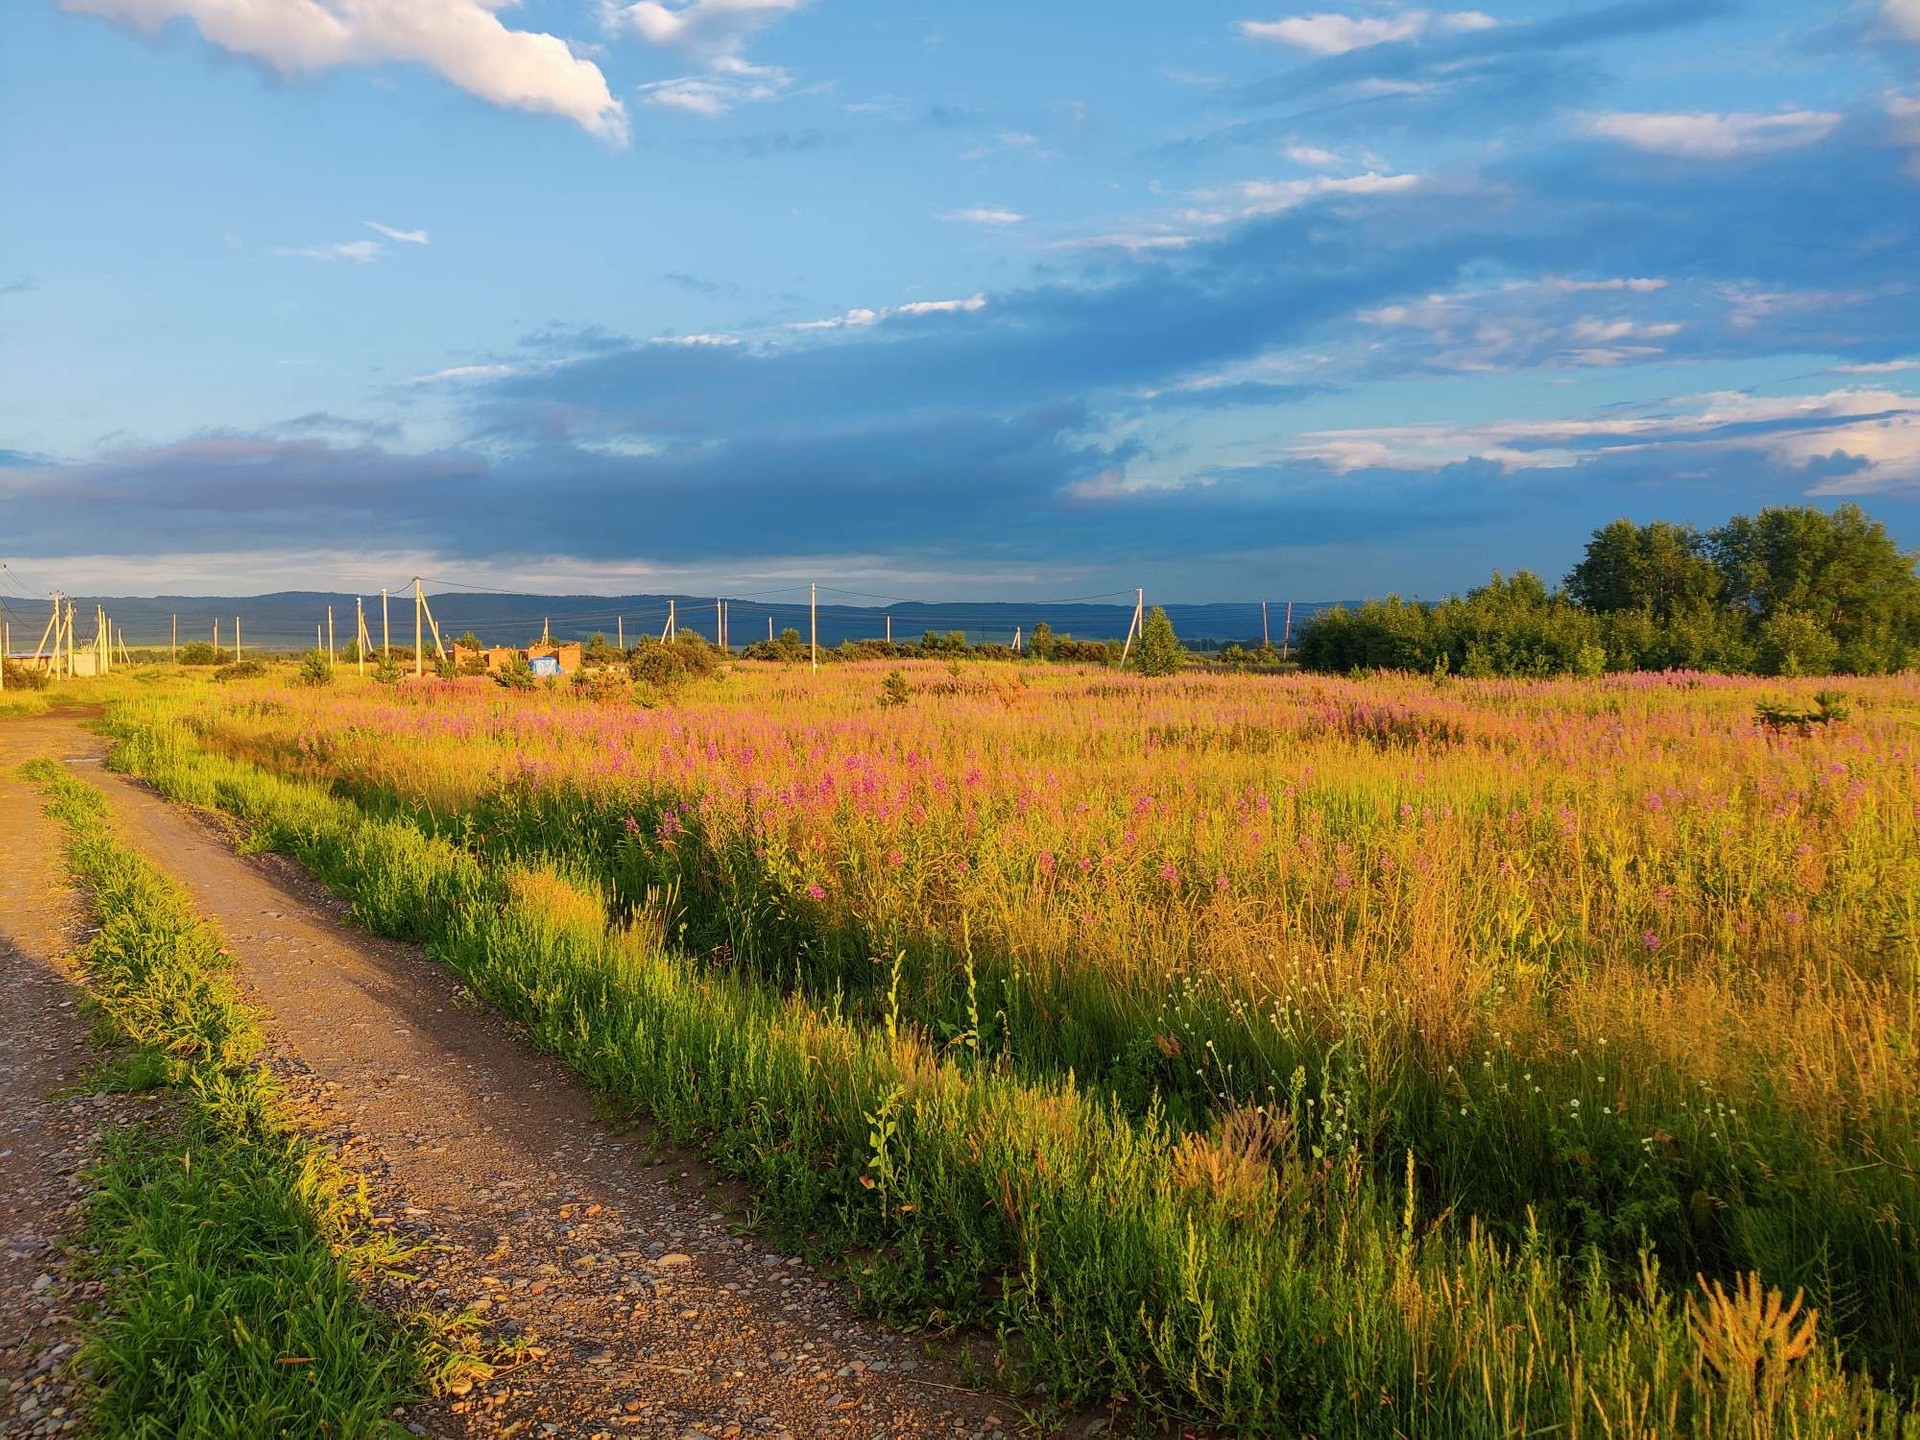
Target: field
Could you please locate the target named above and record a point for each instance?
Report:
(1282, 1053)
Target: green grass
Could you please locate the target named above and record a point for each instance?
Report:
(1232, 1276)
(233, 1251)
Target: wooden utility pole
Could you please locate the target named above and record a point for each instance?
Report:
(769, 627)
(620, 631)
(813, 612)
(719, 627)
(1016, 639)
(419, 661)
(236, 637)
(216, 640)
(1265, 643)
(889, 629)
(1286, 632)
(359, 637)
(173, 641)
(1134, 625)
(669, 632)
(331, 656)
(384, 647)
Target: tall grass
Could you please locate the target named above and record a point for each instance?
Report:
(1258, 1257)
(232, 1250)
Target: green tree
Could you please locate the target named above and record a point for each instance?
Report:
(1661, 568)
(1041, 643)
(1159, 651)
(1841, 569)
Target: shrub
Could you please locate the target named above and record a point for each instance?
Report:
(1159, 651)
(894, 691)
(516, 674)
(316, 669)
(1042, 643)
(25, 677)
(240, 670)
(388, 671)
(200, 652)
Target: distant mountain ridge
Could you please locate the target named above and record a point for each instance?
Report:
(287, 619)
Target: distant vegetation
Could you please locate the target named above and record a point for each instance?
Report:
(1787, 592)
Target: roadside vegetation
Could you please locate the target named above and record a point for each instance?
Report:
(233, 1253)
(1285, 1053)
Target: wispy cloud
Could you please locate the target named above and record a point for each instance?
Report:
(984, 215)
(463, 40)
(401, 237)
(858, 318)
(1877, 430)
(359, 251)
(1252, 198)
(1337, 34)
(713, 34)
(1705, 135)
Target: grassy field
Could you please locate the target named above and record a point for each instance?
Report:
(1356, 1056)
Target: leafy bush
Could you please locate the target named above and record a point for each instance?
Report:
(201, 652)
(25, 677)
(316, 669)
(1159, 651)
(516, 674)
(241, 670)
(894, 691)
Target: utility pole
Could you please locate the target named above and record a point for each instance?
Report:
(620, 631)
(1286, 634)
(419, 662)
(1134, 625)
(332, 656)
(1016, 640)
(173, 642)
(719, 626)
(1265, 643)
(769, 627)
(359, 637)
(236, 637)
(889, 629)
(384, 647)
(813, 611)
(216, 639)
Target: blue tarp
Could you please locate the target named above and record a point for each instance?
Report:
(544, 664)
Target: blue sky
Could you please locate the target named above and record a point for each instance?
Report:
(1009, 300)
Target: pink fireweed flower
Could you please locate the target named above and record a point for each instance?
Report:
(816, 892)
(633, 825)
(1650, 940)
(1220, 882)
(1169, 872)
(1046, 862)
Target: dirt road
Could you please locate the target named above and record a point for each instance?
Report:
(652, 1315)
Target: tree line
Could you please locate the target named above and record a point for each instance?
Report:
(1790, 591)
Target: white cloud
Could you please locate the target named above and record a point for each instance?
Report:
(1903, 16)
(697, 340)
(1337, 34)
(984, 215)
(1125, 240)
(713, 30)
(713, 33)
(1311, 155)
(862, 316)
(461, 373)
(360, 251)
(716, 94)
(1270, 197)
(1705, 135)
(1879, 427)
(1638, 285)
(460, 39)
(403, 237)
(1878, 367)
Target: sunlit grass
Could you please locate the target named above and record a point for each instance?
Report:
(1618, 969)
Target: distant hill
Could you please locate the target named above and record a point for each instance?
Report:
(286, 619)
